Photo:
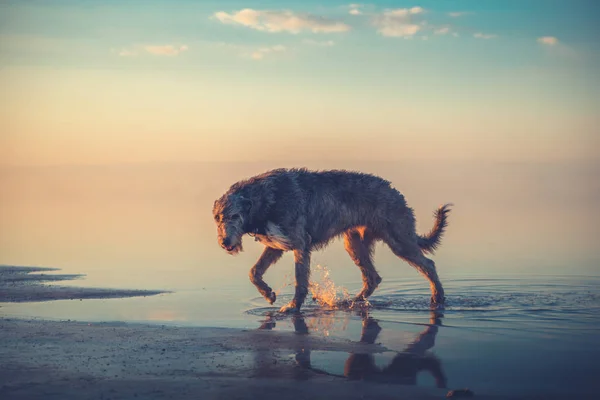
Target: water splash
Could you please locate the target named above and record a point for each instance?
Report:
(327, 295)
(324, 291)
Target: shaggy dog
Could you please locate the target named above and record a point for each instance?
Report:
(300, 210)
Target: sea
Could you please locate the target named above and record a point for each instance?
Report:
(519, 264)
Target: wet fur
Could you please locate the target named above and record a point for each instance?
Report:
(301, 211)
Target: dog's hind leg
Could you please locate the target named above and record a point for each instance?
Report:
(302, 260)
(268, 257)
(359, 245)
(413, 255)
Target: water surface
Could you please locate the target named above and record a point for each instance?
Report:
(519, 264)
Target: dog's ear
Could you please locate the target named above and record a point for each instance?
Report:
(246, 203)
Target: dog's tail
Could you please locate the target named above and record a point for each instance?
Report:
(432, 240)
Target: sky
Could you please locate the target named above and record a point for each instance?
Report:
(137, 100)
(109, 82)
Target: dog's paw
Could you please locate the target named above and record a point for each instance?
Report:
(271, 297)
(435, 306)
(289, 308)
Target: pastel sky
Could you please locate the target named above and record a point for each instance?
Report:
(88, 82)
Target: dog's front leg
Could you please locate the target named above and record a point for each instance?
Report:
(268, 257)
(302, 260)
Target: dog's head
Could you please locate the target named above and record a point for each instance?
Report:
(230, 213)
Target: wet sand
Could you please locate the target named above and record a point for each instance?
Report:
(78, 360)
(22, 284)
(75, 360)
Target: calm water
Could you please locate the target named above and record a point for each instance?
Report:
(524, 334)
(519, 265)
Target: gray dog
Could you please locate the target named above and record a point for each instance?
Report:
(300, 210)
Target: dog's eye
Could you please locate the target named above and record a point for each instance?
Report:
(217, 218)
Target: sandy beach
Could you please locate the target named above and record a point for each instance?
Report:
(74, 360)
(25, 284)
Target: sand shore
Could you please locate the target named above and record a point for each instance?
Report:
(76, 360)
(23, 284)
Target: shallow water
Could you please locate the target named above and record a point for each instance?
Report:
(519, 265)
(525, 334)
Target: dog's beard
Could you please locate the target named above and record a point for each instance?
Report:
(236, 242)
(234, 231)
(237, 248)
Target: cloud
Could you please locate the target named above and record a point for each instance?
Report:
(456, 14)
(155, 50)
(281, 21)
(398, 22)
(442, 31)
(548, 40)
(165, 50)
(326, 43)
(480, 35)
(263, 51)
(355, 9)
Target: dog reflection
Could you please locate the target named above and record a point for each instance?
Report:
(404, 367)
(265, 365)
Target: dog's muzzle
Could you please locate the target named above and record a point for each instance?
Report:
(226, 244)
